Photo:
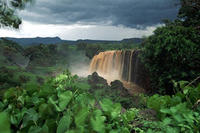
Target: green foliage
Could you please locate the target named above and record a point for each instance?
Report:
(176, 113)
(64, 123)
(59, 106)
(81, 46)
(172, 54)
(8, 11)
(4, 123)
(92, 50)
(130, 115)
(111, 109)
(97, 121)
(178, 119)
(14, 76)
(11, 53)
(5, 42)
(41, 55)
(63, 104)
(189, 12)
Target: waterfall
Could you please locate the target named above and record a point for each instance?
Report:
(121, 65)
(108, 64)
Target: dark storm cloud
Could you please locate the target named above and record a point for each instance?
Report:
(130, 13)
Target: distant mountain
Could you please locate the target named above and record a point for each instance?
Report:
(37, 40)
(97, 41)
(56, 40)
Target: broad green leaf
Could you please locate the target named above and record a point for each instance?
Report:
(64, 99)
(164, 110)
(178, 118)
(150, 131)
(185, 91)
(34, 129)
(183, 83)
(35, 100)
(51, 124)
(97, 122)
(81, 116)
(83, 86)
(106, 105)
(43, 109)
(85, 98)
(114, 131)
(116, 110)
(172, 130)
(45, 129)
(10, 93)
(4, 123)
(64, 124)
(167, 121)
(71, 131)
(21, 99)
(30, 116)
(1, 106)
(46, 110)
(125, 130)
(54, 103)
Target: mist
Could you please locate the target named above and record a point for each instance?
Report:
(79, 63)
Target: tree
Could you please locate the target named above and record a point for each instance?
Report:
(172, 53)
(8, 15)
(189, 13)
(92, 50)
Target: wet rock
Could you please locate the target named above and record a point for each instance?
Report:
(96, 81)
(118, 86)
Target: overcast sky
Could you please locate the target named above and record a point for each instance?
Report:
(93, 19)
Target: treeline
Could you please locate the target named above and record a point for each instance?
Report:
(93, 49)
(38, 55)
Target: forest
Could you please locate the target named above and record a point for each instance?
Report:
(67, 88)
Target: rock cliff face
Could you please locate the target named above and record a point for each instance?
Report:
(121, 65)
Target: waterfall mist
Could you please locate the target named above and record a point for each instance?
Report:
(79, 63)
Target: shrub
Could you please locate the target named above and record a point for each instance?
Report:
(59, 105)
(172, 53)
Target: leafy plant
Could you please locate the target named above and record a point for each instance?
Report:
(61, 106)
(4, 123)
(178, 47)
(177, 119)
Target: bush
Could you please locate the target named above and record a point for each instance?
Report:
(172, 53)
(179, 119)
(59, 105)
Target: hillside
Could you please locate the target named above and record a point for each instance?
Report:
(55, 40)
(37, 40)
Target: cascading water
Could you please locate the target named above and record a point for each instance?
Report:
(108, 64)
(120, 65)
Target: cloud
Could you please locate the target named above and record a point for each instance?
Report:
(76, 31)
(128, 13)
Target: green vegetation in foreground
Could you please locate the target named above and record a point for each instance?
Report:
(63, 105)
